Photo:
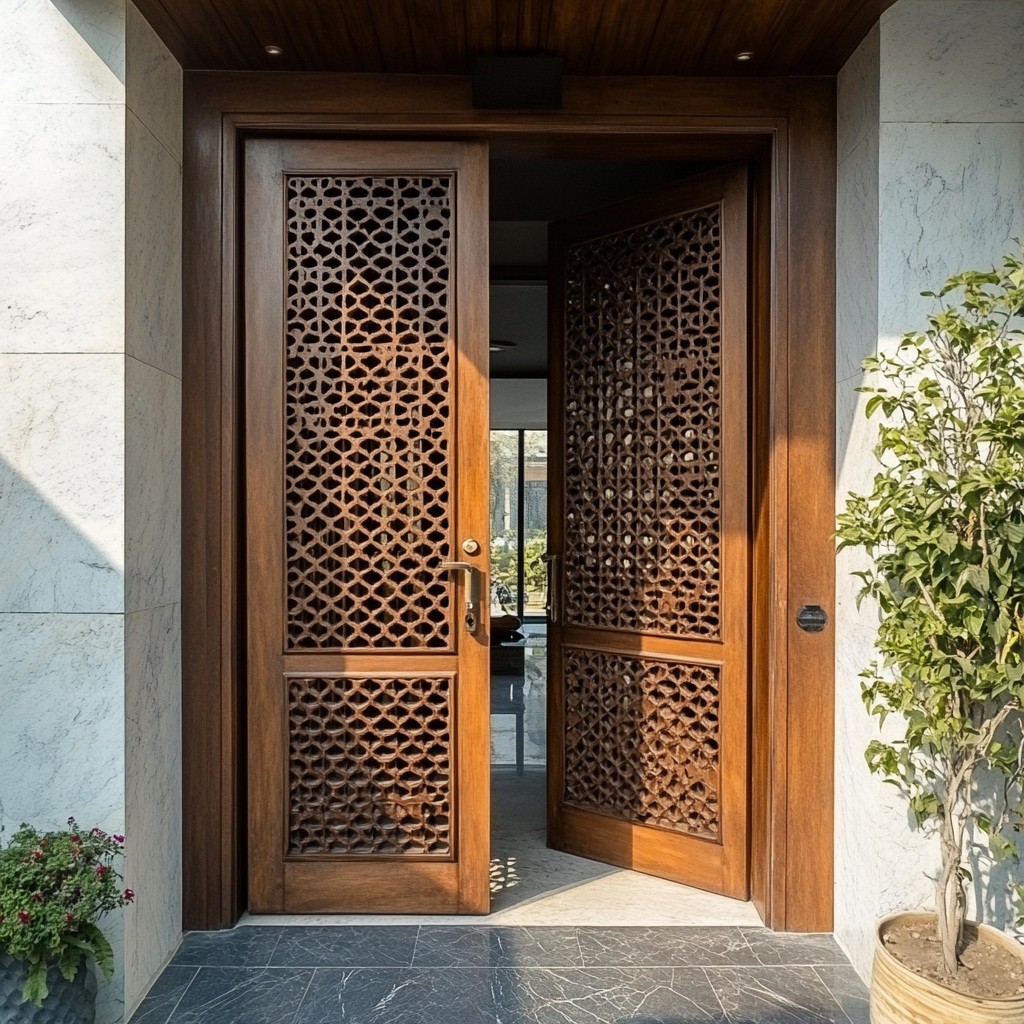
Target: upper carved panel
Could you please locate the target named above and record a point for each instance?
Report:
(643, 428)
(368, 411)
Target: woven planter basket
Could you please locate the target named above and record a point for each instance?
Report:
(899, 996)
(69, 1002)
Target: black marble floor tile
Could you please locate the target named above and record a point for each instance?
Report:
(465, 974)
(475, 946)
(356, 946)
(239, 947)
(511, 996)
(239, 995)
(664, 947)
(164, 996)
(775, 995)
(850, 992)
(407, 996)
(651, 995)
(792, 950)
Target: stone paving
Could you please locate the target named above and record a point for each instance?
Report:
(473, 974)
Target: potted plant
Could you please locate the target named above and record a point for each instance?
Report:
(54, 886)
(944, 528)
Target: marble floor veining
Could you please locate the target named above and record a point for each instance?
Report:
(568, 941)
(473, 974)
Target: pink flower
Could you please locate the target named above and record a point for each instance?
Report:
(99, 833)
(129, 895)
(118, 839)
(37, 854)
(101, 870)
(76, 838)
(38, 897)
(24, 916)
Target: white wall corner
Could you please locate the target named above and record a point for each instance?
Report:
(152, 503)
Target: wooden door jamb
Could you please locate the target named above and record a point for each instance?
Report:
(786, 129)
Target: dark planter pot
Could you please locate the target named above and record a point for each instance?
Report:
(69, 1002)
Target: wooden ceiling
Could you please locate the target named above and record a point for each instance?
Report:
(595, 37)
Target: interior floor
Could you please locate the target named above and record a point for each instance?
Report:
(528, 689)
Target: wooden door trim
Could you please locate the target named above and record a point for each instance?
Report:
(786, 129)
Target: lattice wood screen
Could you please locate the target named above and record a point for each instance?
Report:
(642, 740)
(370, 765)
(368, 412)
(643, 428)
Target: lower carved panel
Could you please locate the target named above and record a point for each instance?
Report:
(370, 765)
(642, 740)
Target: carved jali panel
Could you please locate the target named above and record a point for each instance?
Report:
(370, 766)
(642, 740)
(368, 415)
(643, 428)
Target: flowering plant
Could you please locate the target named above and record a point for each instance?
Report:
(53, 887)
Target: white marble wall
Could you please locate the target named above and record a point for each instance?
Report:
(89, 447)
(152, 506)
(931, 154)
(61, 418)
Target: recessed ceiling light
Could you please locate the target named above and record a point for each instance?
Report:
(745, 55)
(501, 346)
(273, 49)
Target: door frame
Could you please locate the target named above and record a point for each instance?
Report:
(785, 129)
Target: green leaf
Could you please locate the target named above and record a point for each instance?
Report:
(36, 989)
(872, 404)
(101, 950)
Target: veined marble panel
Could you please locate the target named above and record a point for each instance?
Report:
(110, 1003)
(857, 258)
(946, 196)
(153, 251)
(857, 97)
(153, 82)
(62, 730)
(62, 219)
(950, 198)
(894, 871)
(61, 483)
(153, 793)
(952, 60)
(62, 51)
(152, 500)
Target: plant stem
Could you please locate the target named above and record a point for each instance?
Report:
(949, 896)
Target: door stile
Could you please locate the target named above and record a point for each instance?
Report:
(264, 418)
(473, 522)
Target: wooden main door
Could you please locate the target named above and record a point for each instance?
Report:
(648, 729)
(365, 478)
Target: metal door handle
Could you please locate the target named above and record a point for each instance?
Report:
(472, 592)
(552, 608)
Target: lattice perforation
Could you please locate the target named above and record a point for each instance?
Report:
(370, 766)
(642, 740)
(643, 428)
(368, 417)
